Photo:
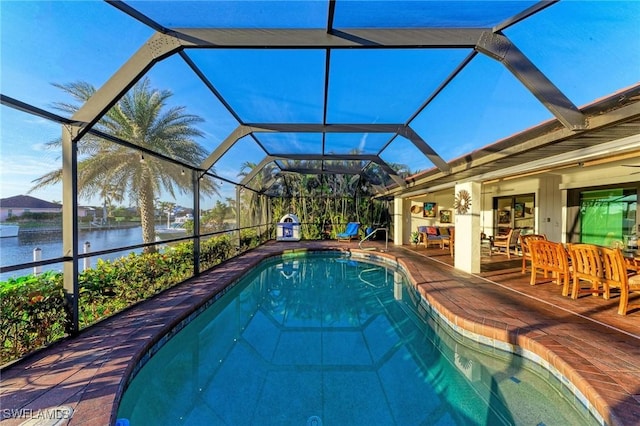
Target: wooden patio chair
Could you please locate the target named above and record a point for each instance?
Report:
(506, 242)
(448, 240)
(586, 264)
(524, 248)
(617, 275)
(550, 257)
(632, 263)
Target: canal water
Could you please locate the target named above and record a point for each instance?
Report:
(17, 250)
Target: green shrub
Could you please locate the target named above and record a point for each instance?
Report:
(32, 313)
(33, 309)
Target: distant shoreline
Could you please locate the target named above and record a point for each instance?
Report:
(29, 228)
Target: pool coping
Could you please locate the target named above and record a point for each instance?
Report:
(90, 372)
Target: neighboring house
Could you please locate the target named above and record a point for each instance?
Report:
(20, 204)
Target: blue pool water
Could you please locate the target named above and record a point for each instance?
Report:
(326, 340)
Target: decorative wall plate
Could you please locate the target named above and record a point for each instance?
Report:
(462, 202)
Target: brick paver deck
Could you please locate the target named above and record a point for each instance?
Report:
(585, 339)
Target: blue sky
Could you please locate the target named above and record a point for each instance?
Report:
(588, 49)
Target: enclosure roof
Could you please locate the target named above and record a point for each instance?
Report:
(408, 94)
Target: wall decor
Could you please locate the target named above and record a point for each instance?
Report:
(462, 202)
(429, 210)
(504, 217)
(445, 216)
(518, 210)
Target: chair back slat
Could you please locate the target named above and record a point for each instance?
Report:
(586, 264)
(513, 239)
(616, 275)
(548, 256)
(524, 247)
(507, 242)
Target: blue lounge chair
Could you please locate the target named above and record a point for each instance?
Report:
(352, 230)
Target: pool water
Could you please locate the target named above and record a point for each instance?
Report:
(326, 340)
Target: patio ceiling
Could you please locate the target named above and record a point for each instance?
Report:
(372, 87)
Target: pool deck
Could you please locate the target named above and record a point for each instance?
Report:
(585, 339)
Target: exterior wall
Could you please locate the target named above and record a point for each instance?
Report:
(552, 216)
(467, 235)
(550, 209)
(401, 221)
(4, 212)
(444, 201)
(548, 214)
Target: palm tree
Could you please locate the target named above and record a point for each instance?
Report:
(143, 118)
(109, 195)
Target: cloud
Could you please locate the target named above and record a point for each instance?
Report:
(363, 142)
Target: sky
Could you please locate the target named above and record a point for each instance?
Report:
(588, 49)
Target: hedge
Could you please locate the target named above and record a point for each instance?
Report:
(33, 311)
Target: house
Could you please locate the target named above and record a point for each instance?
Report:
(20, 204)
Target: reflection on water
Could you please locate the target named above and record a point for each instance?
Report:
(347, 341)
(16, 250)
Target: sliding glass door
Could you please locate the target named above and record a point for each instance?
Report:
(608, 216)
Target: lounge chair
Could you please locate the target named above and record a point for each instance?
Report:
(506, 242)
(351, 231)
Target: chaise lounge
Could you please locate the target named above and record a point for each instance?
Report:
(351, 231)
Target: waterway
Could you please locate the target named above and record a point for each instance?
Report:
(20, 249)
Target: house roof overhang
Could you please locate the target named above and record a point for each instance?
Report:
(612, 132)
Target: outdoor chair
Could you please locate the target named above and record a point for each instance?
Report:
(632, 263)
(617, 275)
(549, 257)
(430, 235)
(524, 247)
(586, 266)
(351, 231)
(507, 242)
(448, 240)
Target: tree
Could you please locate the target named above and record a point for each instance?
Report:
(253, 203)
(109, 195)
(142, 118)
(166, 207)
(217, 215)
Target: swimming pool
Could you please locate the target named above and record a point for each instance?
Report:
(324, 339)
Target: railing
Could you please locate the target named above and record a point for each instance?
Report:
(371, 234)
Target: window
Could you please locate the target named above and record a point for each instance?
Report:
(514, 212)
(608, 216)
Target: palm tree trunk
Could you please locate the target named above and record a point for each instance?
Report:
(147, 216)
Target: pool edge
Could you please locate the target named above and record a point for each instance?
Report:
(481, 333)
